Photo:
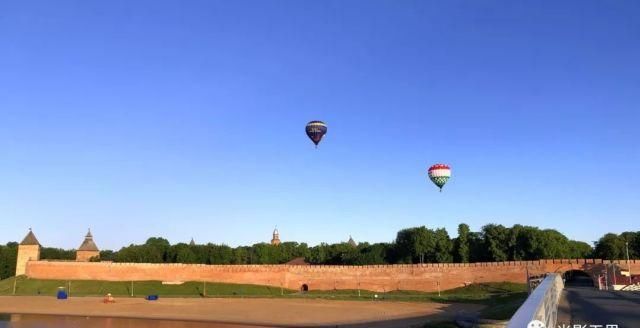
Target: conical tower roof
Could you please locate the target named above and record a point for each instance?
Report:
(30, 239)
(352, 242)
(88, 244)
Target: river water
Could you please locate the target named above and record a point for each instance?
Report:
(60, 321)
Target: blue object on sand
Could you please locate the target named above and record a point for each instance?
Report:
(62, 294)
(152, 297)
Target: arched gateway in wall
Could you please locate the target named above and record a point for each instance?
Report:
(599, 271)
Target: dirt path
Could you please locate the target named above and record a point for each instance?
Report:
(264, 311)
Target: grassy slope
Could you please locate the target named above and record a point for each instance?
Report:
(25, 286)
(502, 299)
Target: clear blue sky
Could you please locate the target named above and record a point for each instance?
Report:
(186, 118)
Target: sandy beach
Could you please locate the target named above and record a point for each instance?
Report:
(260, 312)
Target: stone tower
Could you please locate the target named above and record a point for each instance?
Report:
(28, 250)
(88, 249)
(276, 237)
(352, 242)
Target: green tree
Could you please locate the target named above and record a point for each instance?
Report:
(515, 251)
(157, 249)
(131, 253)
(462, 244)
(341, 253)
(373, 254)
(610, 247)
(319, 254)
(424, 247)
(405, 245)
(496, 242)
(579, 250)
(554, 244)
(289, 250)
(442, 247)
(223, 254)
(633, 238)
(263, 253)
(412, 245)
(240, 255)
(201, 253)
(415, 245)
(8, 258)
(50, 253)
(107, 255)
(477, 252)
(182, 253)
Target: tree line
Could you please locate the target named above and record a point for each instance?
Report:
(493, 242)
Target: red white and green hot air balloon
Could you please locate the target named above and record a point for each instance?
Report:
(439, 174)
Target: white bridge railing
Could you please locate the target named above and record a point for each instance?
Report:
(541, 305)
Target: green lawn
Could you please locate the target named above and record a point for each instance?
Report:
(476, 293)
(25, 286)
(501, 299)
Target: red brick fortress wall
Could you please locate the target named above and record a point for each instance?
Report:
(421, 277)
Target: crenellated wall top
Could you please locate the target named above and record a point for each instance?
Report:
(377, 267)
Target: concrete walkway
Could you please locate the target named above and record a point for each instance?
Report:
(589, 306)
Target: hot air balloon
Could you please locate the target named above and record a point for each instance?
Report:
(315, 131)
(439, 174)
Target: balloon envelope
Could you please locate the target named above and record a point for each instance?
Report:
(315, 131)
(439, 174)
